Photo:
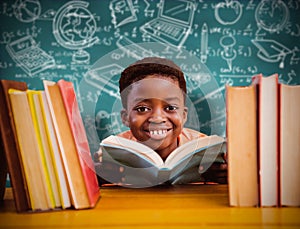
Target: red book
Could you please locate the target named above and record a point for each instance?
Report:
(80, 139)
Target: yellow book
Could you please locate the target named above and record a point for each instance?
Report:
(29, 150)
(50, 183)
(55, 152)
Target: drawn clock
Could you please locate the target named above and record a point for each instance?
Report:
(272, 15)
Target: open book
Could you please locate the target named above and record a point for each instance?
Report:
(142, 166)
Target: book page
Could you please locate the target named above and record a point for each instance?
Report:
(132, 146)
(192, 147)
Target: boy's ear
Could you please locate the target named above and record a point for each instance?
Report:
(185, 114)
(124, 117)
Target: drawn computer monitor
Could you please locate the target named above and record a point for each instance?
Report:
(173, 23)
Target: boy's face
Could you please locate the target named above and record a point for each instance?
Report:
(156, 112)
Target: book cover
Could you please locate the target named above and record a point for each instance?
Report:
(30, 155)
(55, 153)
(143, 166)
(11, 148)
(80, 139)
(73, 169)
(289, 145)
(241, 128)
(268, 128)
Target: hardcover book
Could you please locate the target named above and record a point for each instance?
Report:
(143, 166)
(31, 157)
(10, 148)
(241, 128)
(80, 140)
(289, 145)
(268, 137)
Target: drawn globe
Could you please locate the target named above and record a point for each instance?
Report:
(27, 10)
(74, 26)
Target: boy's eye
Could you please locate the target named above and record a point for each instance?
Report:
(142, 109)
(171, 108)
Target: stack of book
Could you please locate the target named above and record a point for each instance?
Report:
(45, 146)
(263, 139)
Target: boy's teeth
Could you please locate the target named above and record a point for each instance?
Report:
(158, 132)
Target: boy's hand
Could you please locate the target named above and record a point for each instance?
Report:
(108, 172)
(217, 172)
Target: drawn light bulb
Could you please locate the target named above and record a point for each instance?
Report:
(228, 53)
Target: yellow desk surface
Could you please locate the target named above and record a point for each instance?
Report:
(185, 206)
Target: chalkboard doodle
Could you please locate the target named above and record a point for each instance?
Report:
(132, 49)
(173, 23)
(272, 16)
(271, 51)
(101, 76)
(122, 12)
(228, 12)
(74, 28)
(204, 43)
(27, 11)
(31, 58)
(229, 53)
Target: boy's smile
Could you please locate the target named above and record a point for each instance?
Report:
(156, 113)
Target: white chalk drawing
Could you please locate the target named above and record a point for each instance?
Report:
(48, 15)
(231, 78)
(122, 12)
(204, 43)
(272, 15)
(101, 78)
(228, 12)
(291, 75)
(196, 80)
(295, 58)
(251, 5)
(271, 51)
(148, 13)
(209, 95)
(173, 23)
(110, 122)
(29, 56)
(27, 10)
(74, 28)
(132, 49)
(228, 53)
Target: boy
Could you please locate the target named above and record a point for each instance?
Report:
(153, 97)
(153, 92)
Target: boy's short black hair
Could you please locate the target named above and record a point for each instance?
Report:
(149, 66)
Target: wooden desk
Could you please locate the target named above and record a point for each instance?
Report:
(167, 206)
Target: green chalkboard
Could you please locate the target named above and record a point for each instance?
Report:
(215, 42)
